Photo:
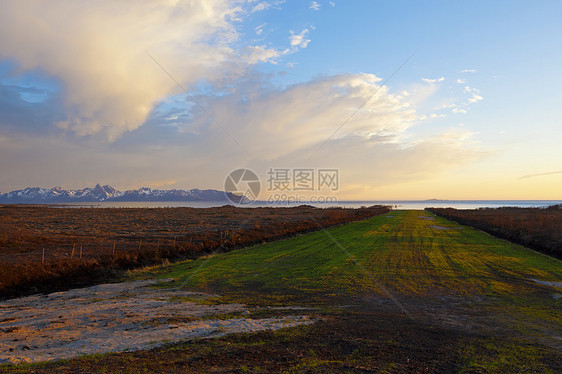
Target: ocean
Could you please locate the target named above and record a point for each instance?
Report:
(396, 204)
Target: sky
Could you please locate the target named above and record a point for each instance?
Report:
(405, 99)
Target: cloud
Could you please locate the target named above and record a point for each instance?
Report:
(377, 161)
(539, 174)
(278, 126)
(461, 81)
(259, 29)
(446, 106)
(430, 116)
(255, 54)
(284, 127)
(469, 71)
(468, 89)
(26, 109)
(314, 5)
(460, 105)
(299, 40)
(332, 4)
(273, 122)
(107, 85)
(261, 6)
(97, 51)
(264, 5)
(431, 81)
(475, 98)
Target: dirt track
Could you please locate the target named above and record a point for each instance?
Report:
(118, 317)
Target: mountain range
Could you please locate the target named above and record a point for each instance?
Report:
(37, 195)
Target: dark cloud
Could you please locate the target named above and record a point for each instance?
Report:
(28, 109)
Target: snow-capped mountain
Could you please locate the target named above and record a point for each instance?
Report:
(148, 194)
(36, 195)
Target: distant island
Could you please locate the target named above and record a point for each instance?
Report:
(57, 195)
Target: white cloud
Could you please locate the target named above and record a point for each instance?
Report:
(299, 40)
(259, 29)
(468, 89)
(469, 71)
(475, 98)
(273, 123)
(285, 126)
(264, 5)
(261, 6)
(98, 53)
(431, 81)
(446, 106)
(458, 105)
(461, 81)
(256, 54)
(314, 5)
(332, 4)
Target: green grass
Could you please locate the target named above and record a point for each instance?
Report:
(500, 356)
(402, 253)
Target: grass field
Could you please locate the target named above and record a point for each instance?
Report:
(402, 292)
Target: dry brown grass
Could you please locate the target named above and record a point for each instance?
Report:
(140, 236)
(537, 228)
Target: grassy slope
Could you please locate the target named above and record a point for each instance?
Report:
(455, 300)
